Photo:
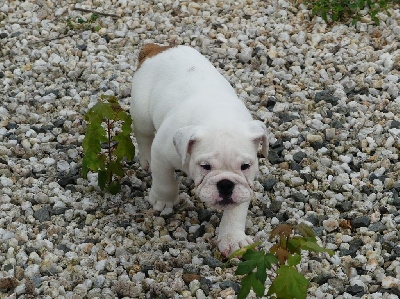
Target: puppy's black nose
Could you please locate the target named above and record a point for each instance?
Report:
(225, 187)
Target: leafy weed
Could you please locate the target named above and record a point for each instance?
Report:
(344, 10)
(107, 142)
(280, 262)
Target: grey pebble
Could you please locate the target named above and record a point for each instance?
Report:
(213, 262)
(363, 221)
(42, 215)
(299, 197)
(230, 284)
(327, 96)
(299, 156)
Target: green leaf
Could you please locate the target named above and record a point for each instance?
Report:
(81, 21)
(96, 28)
(246, 267)
(307, 244)
(244, 291)
(95, 135)
(241, 251)
(90, 162)
(304, 230)
(248, 282)
(102, 179)
(125, 147)
(289, 284)
(252, 254)
(115, 168)
(294, 259)
(114, 188)
(270, 259)
(311, 245)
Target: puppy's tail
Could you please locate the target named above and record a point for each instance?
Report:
(151, 50)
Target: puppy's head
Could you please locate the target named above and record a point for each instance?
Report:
(222, 161)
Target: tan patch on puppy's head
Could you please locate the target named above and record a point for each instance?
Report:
(151, 50)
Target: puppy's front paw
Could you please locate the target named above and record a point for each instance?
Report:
(144, 163)
(229, 242)
(160, 204)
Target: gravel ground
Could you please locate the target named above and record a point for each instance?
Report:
(329, 94)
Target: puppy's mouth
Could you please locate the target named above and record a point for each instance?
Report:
(226, 203)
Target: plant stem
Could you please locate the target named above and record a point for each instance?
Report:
(109, 148)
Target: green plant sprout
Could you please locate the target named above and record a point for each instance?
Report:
(281, 261)
(84, 24)
(343, 10)
(107, 142)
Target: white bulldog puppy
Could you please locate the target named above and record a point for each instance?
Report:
(187, 116)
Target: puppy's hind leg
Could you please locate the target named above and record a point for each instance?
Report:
(144, 146)
(164, 189)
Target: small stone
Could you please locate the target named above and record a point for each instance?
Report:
(48, 161)
(159, 221)
(274, 156)
(269, 183)
(245, 54)
(82, 47)
(299, 156)
(296, 181)
(330, 133)
(229, 284)
(321, 279)
(362, 221)
(299, 197)
(355, 244)
(189, 277)
(67, 180)
(6, 182)
(194, 285)
(344, 206)
(205, 285)
(180, 233)
(275, 206)
(42, 214)
(167, 211)
(213, 262)
(190, 269)
(11, 125)
(204, 215)
(330, 225)
(200, 294)
(63, 166)
(395, 124)
(327, 96)
(314, 138)
(59, 123)
(390, 282)
(355, 290)
(90, 218)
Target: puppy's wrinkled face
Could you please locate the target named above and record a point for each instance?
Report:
(222, 160)
(223, 166)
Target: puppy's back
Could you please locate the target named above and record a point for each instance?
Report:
(149, 51)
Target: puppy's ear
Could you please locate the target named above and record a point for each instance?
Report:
(258, 132)
(184, 138)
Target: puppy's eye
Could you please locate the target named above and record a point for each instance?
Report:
(245, 166)
(205, 166)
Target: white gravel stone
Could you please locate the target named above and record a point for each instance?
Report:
(63, 166)
(6, 182)
(330, 224)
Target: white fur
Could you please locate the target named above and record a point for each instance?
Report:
(185, 115)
